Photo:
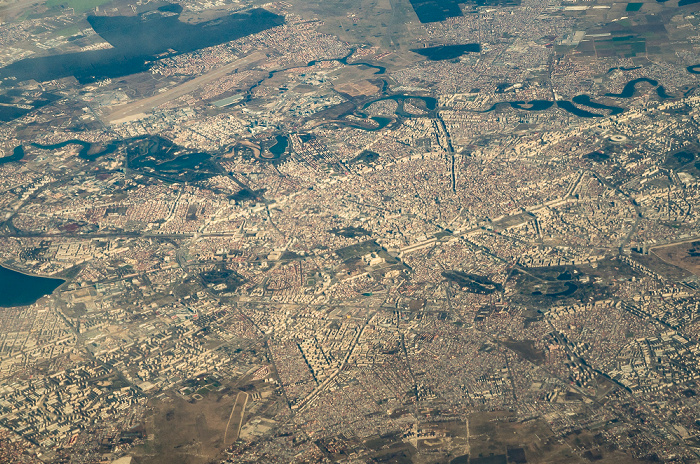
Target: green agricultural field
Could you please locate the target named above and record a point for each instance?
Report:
(80, 6)
(69, 31)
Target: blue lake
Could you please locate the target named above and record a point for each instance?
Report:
(17, 289)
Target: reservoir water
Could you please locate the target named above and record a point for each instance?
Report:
(447, 52)
(280, 147)
(139, 41)
(585, 100)
(17, 154)
(17, 289)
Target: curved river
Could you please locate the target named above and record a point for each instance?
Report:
(83, 151)
(628, 91)
(584, 100)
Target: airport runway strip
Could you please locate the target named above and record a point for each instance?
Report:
(137, 109)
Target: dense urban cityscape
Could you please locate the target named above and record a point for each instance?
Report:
(368, 231)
